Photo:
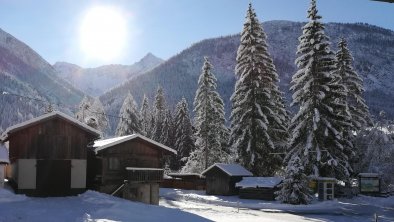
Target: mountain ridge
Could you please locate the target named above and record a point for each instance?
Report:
(95, 81)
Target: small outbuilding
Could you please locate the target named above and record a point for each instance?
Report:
(370, 183)
(128, 166)
(4, 160)
(325, 188)
(262, 188)
(48, 155)
(221, 178)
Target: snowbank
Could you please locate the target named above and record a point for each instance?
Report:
(88, 207)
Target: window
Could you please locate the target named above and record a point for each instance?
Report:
(113, 163)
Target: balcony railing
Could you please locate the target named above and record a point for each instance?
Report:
(135, 174)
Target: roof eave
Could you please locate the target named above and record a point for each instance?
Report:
(134, 136)
(5, 136)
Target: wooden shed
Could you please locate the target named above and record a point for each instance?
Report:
(128, 166)
(48, 155)
(4, 160)
(262, 188)
(221, 178)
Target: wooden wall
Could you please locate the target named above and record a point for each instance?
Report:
(258, 193)
(51, 139)
(133, 153)
(219, 183)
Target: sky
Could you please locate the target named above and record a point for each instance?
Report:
(66, 30)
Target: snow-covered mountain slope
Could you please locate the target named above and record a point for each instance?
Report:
(95, 81)
(24, 72)
(372, 48)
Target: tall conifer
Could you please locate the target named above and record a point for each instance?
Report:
(258, 118)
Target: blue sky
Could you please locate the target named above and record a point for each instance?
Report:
(163, 27)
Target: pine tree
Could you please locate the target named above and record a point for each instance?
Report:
(146, 117)
(159, 114)
(168, 130)
(294, 189)
(357, 107)
(318, 127)
(91, 112)
(130, 121)
(184, 139)
(258, 118)
(209, 122)
(376, 149)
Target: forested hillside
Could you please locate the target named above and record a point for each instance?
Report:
(24, 72)
(372, 48)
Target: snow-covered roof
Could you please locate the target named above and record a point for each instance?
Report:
(230, 169)
(265, 182)
(369, 175)
(104, 144)
(4, 154)
(14, 128)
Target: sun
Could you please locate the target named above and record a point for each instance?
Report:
(103, 33)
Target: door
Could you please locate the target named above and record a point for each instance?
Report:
(53, 177)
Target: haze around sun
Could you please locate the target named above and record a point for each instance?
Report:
(103, 33)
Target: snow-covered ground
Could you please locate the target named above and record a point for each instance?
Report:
(189, 206)
(87, 207)
(231, 208)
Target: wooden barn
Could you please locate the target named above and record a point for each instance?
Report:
(221, 178)
(262, 188)
(129, 166)
(3, 162)
(48, 155)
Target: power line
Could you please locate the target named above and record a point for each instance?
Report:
(73, 108)
(26, 97)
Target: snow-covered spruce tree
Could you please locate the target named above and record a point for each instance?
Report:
(130, 121)
(184, 138)
(159, 114)
(357, 107)
(375, 146)
(294, 188)
(318, 128)
(258, 118)
(209, 121)
(168, 130)
(91, 112)
(146, 115)
(194, 163)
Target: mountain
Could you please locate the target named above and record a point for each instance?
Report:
(372, 48)
(95, 81)
(24, 72)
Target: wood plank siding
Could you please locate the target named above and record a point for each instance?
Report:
(112, 162)
(52, 139)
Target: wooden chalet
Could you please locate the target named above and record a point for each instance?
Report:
(48, 155)
(129, 166)
(262, 188)
(4, 160)
(221, 178)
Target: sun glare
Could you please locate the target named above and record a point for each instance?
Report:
(103, 33)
